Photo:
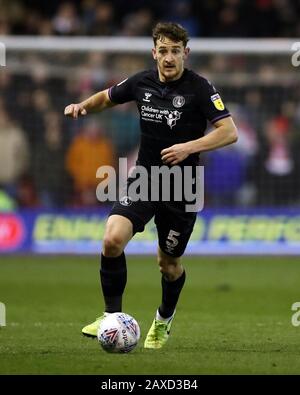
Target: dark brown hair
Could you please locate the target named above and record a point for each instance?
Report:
(173, 31)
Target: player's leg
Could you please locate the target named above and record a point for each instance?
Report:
(172, 282)
(174, 230)
(113, 271)
(124, 221)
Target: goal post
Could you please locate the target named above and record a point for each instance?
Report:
(142, 45)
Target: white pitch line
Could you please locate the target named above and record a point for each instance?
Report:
(38, 324)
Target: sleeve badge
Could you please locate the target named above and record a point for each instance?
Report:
(216, 99)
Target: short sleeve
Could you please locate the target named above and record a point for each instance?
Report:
(210, 102)
(124, 91)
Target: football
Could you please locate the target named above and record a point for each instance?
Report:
(118, 333)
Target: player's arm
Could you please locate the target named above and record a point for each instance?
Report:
(96, 103)
(225, 133)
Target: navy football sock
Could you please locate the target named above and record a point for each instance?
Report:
(113, 276)
(170, 295)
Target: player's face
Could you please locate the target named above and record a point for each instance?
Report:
(170, 57)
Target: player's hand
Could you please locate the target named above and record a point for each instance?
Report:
(75, 111)
(175, 154)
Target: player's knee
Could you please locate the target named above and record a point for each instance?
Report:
(112, 245)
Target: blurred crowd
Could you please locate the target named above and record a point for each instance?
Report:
(211, 18)
(47, 160)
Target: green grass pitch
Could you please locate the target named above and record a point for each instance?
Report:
(234, 317)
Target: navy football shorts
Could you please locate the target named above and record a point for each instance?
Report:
(174, 225)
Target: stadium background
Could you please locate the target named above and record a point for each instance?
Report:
(48, 163)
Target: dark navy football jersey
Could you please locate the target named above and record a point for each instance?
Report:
(170, 113)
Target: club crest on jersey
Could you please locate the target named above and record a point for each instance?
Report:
(173, 117)
(147, 96)
(178, 101)
(216, 99)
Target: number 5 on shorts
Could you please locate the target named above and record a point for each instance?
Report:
(172, 242)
